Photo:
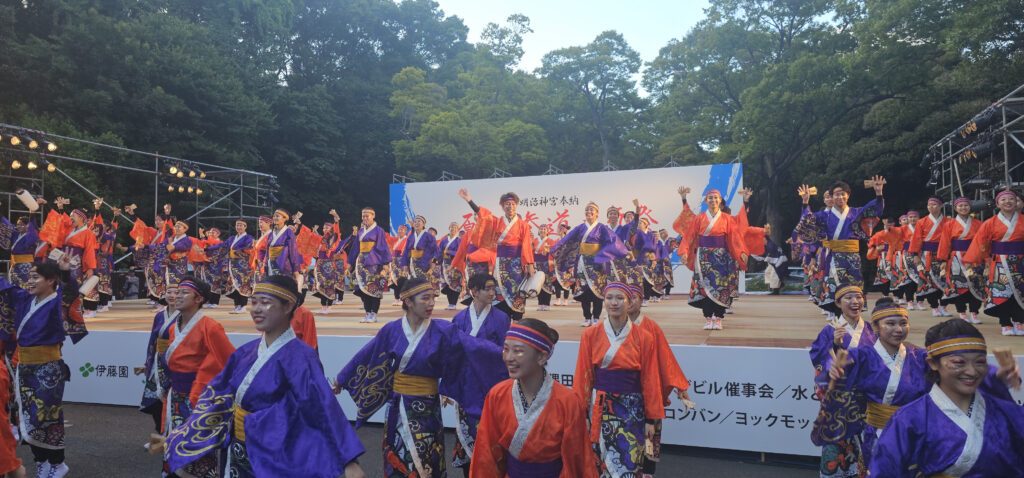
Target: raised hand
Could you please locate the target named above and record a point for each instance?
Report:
(805, 193)
(464, 194)
(683, 191)
(167, 209)
(97, 203)
(878, 183)
(746, 193)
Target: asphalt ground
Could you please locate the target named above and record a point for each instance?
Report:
(106, 441)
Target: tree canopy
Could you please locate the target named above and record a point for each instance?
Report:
(334, 96)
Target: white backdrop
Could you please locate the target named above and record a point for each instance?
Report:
(748, 398)
(556, 198)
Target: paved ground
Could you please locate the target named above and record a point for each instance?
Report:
(106, 441)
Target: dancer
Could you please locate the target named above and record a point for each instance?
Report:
(23, 249)
(543, 262)
(198, 351)
(282, 255)
(491, 324)
(369, 257)
(956, 429)
(1002, 237)
(259, 256)
(399, 274)
(564, 279)
(645, 249)
(178, 248)
(157, 381)
(421, 255)
(240, 270)
(151, 250)
(451, 276)
(837, 428)
(627, 269)
(841, 227)
(878, 251)
(10, 464)
(274, 390)
(402, 367)
(587, 252)
(670, 375)
(41, 314)
(911, 280)
(106, 239)
(326, 274)
(924, 246)
(513, 249)
(617, 375)
(532, 426)
(664, 256)
(891, 373)
(215, 266)
(713, 249)
(965, 290)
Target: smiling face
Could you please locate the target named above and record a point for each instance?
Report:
(839, 198)
(522, 360)
(590, 213)
(892, 331)
(613, 216)
(269, 313)
(180, 228)
(827, 198)
(963, 209)
(403, 230)
(419, 224)
(40, 286)
(962, 373)
(714, 201)
(851, 304)
(280, 219)
(486, 295)
(240, 227)
(934, 208)
(367, 217)
(188, 299)
(616, 302)
(1007, 203)
(453, 229)
(509, 206)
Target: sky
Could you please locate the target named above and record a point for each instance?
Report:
(647, 25)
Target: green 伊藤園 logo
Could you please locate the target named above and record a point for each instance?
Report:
(86, 369)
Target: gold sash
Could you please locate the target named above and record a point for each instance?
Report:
(240, 414)
(843, 245)
(878, 414)
(589, 249)
(38, 354)
(415, 384)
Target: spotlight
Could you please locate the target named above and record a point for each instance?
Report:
(199, 192)
(170, 188)
(15, 164)
(32, 165)
(174, 169)
(51, 147)
(190, 189)
(32, 144)
(192, 173)
(180, 174)
(181, 189)
(202, 174)
(15, 140)
(51, 167)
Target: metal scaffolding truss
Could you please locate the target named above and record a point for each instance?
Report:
(982, 156)
(227, 193)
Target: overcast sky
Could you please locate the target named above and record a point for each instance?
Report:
(647, 25)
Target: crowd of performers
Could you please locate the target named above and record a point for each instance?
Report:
(891, 408)
(887, 406)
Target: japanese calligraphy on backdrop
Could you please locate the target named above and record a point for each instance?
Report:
(556, 198)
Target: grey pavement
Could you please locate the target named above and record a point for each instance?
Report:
(106, 441)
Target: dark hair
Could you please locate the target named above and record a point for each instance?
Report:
(884, 302)
(287, 283)
(204, 288)
(507, 196)
(479, 281)
(840, 185)
(432, 231)
(945, 330)
(47, 270)
(409, 285)
(540, 326)
(726, 209)
(241, 220)
(22, 220)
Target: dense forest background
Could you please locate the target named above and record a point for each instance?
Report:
(334, 96)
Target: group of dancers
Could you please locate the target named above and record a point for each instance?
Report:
(267, 409)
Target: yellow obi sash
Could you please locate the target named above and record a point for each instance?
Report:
(234, 254)
(275, 251)
(366, 246)
(38, 354)
(22, 258)
(879, 414)
(843, 245)
(415, 384)
(162, 344)
(589, 248)
(416, 253)
(240, 414)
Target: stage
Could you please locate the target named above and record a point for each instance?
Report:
(783, 321)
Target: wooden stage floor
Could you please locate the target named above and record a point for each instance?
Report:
(759, 321)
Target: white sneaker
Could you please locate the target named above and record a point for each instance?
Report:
(214, 306)
(717, 325)
(325, 310)
(238, 310)
(150, 302)
(974, 319)
(1007, 330)
(365, 319)
(1018, 329)
(58, 471)
(963, 317)
(449, 307)
(16, 432)
(43, 469)
(936, 313)
(585, 323)
(944, 312)
(643, 304)
(373, 317)
(728, 311)
(89, 314)
(708, 324)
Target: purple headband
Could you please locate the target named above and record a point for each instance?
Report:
(959, 201)
(935, 200)
(1006, 192)
(531, 337)
(913, 214)
(617, 285)
(190, 285)
(636, 291)
(80, 214)
(713, 191)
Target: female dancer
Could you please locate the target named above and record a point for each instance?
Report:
(1002, 237)
(589, 249)
(965, 290)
